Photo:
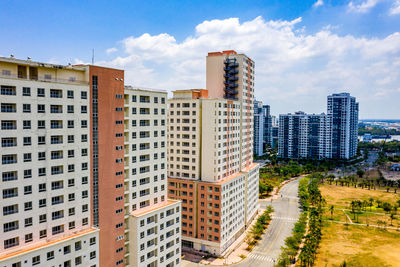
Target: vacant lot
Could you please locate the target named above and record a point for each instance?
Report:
(341, 196)
(359, 246)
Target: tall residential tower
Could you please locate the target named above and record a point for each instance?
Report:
(210, 140)
(46, 166)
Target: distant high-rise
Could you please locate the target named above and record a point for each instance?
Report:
(262, 128)
(343, 109)
(333, 135)
(304, 136)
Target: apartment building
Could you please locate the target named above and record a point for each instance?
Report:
(304, 135)
(331, 135)
(262, 128)
(210, 137)
(45, 168)
(343, 109)
(152, 222)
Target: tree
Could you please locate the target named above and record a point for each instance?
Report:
(370, 203)
(392, 217)
(360, 173)
(331, 209)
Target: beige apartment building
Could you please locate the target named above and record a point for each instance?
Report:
(152, 222)
(210, 164)
(45, 167)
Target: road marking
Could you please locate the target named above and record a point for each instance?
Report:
(259, 257)
(276, 237)
(285, 218)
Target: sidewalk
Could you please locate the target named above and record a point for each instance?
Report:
(236, 254)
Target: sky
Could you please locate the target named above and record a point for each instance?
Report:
(303, 50)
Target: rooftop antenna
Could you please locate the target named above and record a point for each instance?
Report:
(93, 56)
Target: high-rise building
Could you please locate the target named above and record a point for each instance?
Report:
(152, 222)
(262, 128)
(258, 128)
(90, 155)
(267, 126)
(107, 128)
(46, 166)
(343, 109)
(304, 136)
(210, 154)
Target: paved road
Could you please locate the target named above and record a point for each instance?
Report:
(287, 210)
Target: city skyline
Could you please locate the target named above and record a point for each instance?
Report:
(304, 50)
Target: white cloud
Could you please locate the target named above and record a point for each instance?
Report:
(111, 50)
(395, 9)
(294, 70)
(363, 7)
(318, 3)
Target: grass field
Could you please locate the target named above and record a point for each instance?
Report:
(341, 196)
(359, 246)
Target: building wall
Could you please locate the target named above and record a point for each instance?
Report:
(109, 161)
(154, 235)
(79, 249)
(146, 205)
(45, 168)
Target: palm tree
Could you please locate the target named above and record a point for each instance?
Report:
(392, 217)
(331, 209)
(371, 203)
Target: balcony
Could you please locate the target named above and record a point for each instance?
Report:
(44, 78)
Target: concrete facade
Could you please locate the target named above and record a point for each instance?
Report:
(46, 181)
(210, 146)
(152, 222)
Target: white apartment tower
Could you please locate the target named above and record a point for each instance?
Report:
(210, 149)
(45, 167)
(152, 222)
(343, 109)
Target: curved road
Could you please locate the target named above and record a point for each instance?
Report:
(286, 214)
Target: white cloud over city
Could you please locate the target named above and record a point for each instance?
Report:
(294, 70)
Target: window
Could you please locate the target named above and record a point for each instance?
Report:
(26, 124)
(78, 260)
(28, 222)
(41, 155)
(35, 260)
(27, 174)
(58, 229)
(70, 109)
(41, 108)
(84, 124)
(92, 254)
(84, 180)
(83, 95)
(70, 124)
(42, 218)
(42, 203)
(12, 242)
(41, 140)
(133, 98)
(26, 108)
(41, 124)
(8, 90)
(10, 226)
(27, 157)
(7, 210)
(70, 94)
(55, 93)
(50, 255)
(83, 109)
(84, 138)
(92, 241)
(40, 92)
(43, 233)
(8, 141)
(71, 225)
(67, 249)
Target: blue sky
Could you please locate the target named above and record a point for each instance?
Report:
(304, 50)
